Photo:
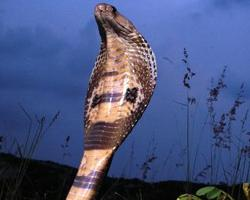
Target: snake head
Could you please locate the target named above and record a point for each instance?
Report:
(110, 21)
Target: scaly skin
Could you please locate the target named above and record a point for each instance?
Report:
(121, 85)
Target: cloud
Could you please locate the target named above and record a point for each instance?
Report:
(23, 46)
(28, 59)
(230, 3)
(39, 60)
(43, 70)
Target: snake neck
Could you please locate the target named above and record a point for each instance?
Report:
(92, 170)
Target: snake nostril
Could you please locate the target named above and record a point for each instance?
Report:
(100, 7)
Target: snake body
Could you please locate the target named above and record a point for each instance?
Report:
(120, 88)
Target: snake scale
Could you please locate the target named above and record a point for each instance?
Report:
(120, 88)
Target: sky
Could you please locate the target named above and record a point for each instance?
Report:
(48, 49)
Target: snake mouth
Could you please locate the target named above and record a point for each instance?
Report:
(109, 20)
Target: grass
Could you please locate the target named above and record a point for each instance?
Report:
(37, 128)
(224, 139)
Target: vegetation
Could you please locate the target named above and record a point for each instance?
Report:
(223, 140)
(37, 127)
(44, 180)
(209, 192)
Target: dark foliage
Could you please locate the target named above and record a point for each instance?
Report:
(44, 181)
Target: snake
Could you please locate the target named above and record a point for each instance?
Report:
(120, 88)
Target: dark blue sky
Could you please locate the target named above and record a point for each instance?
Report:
(48, 48)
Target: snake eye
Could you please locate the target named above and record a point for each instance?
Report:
(111, 9)
(114, 9)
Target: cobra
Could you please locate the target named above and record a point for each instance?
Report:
(120, 88)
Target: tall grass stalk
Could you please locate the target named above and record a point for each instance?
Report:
(189, 74)
(33, 137)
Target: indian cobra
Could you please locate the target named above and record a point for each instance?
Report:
(120, 88)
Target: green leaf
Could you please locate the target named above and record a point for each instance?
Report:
(205, 190)
(188, 197)
(214, 193)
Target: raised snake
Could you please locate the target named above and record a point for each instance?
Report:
(120, 88)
